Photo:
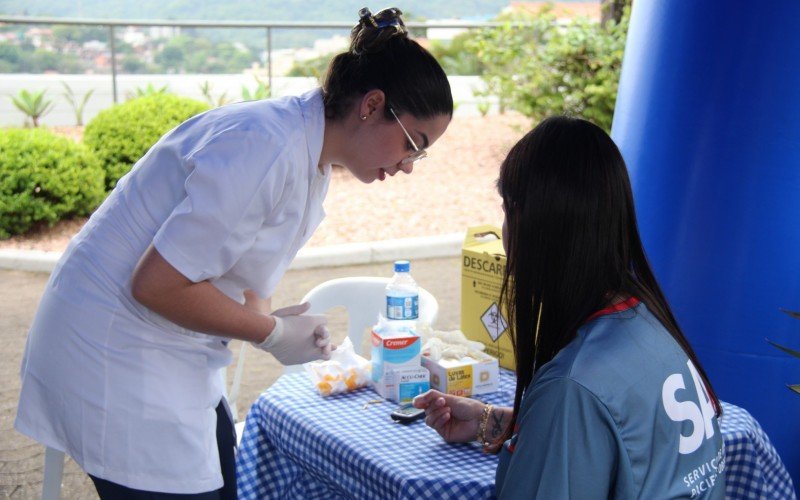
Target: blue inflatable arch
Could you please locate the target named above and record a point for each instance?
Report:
(708, 119)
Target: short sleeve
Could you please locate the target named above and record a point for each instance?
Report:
(565, 448)
(235, 180)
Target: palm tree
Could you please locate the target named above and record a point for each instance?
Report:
(33, 104)
(77, 104)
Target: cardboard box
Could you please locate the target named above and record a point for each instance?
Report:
(403, 384)
(483, 319)
(468, 376)
(408, 383)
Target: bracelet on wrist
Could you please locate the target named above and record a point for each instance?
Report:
(484, 423)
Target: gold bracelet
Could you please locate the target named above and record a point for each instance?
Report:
(481, 438)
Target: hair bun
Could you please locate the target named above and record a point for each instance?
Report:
(373, 31)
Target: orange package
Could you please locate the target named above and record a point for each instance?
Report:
(345, 371)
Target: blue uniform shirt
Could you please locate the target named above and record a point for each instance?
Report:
(620, 412)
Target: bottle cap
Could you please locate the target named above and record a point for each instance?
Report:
(402, 266)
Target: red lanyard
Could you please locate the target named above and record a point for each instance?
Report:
(630, 303)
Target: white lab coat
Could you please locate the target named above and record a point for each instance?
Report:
(229, 196)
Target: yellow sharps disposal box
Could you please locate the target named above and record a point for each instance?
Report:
(483, 318)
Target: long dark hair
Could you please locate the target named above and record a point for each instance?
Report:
(572, 241)
(382, 56)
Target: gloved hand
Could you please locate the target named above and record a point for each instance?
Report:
(297, 338)
(322, 333)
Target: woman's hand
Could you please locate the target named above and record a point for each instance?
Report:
(289, 340)
(455, 418)
(298, 338)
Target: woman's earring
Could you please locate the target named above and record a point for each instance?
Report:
(364, 118)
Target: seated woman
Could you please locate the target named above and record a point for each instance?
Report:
(611, 401)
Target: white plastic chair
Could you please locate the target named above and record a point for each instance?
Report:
(233, 393)
(53, 473)
(363, 297)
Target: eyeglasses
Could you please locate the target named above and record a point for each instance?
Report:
(418, 153)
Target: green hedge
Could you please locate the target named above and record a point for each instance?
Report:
(122, 134)
(546, 67)
(45, 178)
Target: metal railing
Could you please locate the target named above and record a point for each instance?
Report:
(268, 28)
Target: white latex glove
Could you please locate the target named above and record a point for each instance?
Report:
(291, 310)
(297, 338)
(323, 335)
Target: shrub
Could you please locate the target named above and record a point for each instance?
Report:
(44, 178)
(316, 67)
(545, 67)
(123, 133)
(455, 57)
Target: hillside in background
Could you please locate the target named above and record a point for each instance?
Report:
(248, 10)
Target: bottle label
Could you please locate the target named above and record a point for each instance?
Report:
(402, 307)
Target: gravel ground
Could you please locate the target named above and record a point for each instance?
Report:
(449, 191)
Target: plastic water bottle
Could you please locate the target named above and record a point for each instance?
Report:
(402, 295)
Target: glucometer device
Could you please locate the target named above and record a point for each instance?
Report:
(407, 413)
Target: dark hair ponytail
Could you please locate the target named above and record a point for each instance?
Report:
(382, 56)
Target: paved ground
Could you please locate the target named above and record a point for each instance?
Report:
(21, 459)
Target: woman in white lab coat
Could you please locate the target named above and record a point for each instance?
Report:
(121, 366)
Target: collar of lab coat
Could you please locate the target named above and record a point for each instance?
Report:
(314, 122)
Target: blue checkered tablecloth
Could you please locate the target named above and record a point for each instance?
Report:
(753, 468)
(299, 445)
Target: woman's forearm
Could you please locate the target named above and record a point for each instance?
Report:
(197, 306)
(499, 420)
